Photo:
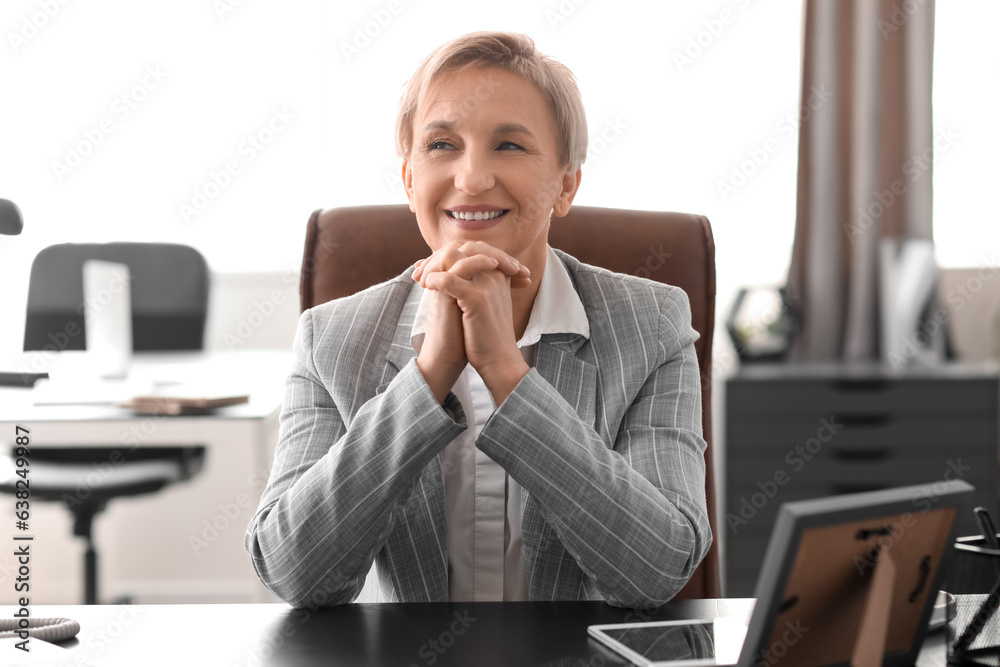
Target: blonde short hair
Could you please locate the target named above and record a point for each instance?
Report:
(513, 53)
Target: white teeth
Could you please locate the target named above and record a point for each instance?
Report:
(476, 216)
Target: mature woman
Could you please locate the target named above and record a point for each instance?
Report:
(500, 422)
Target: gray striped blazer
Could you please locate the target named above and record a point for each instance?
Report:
(604, 436)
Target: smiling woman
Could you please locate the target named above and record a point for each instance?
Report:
(501, 422)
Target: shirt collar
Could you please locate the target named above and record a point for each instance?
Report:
(557, 308)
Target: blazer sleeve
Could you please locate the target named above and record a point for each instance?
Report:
(335, 488)
(634, 516)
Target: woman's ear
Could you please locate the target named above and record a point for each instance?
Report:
(569, 187)
(408, 183)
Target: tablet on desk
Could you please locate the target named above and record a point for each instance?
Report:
(846, 580)
(690, 643)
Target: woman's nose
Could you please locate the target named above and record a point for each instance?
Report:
(474, 173)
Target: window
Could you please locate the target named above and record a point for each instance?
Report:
(223, 123)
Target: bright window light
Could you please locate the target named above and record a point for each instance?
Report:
(224, 124)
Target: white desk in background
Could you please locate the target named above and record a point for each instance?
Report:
(184, 543)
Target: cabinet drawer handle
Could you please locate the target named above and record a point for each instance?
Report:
(866, 454)
(861, 385)
(862, 420)
(842, 489)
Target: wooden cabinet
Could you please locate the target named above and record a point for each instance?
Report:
(808, 431)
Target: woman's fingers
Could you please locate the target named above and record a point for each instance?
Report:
(446, 283)
(441, 260)
(467, 267)
(444, 258)
(520, 281)
(418, 268)
(505, 262)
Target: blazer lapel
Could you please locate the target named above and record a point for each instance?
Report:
(567, 362)
(424, 511)
(400, 350)
(556, 360)
(549, 568)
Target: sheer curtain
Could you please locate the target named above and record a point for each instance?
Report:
(865, 164)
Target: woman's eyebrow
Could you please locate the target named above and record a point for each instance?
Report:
(439, 125)
(504, 128)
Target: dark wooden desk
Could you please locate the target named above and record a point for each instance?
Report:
(546, 634)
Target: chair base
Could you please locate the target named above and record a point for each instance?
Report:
(67, 475)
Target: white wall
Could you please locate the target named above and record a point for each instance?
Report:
(199, 81)
(163, 97)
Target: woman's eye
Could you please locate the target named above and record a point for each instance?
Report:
(437, 145)
(508, 145)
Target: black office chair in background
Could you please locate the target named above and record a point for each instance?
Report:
(169, 287)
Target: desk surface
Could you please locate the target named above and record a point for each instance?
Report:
(260, 373)
(549, 634)
(145, 542)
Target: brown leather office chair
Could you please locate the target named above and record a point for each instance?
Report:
(350, 249)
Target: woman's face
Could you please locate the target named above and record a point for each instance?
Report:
(484, 146)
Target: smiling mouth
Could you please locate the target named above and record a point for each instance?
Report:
(480, 215)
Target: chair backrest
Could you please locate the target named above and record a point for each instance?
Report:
(169, 286)
(350, 249)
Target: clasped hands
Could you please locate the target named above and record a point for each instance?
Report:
(470, 317)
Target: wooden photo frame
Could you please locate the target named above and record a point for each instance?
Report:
(851, 580)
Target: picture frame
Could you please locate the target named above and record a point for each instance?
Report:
(853, 579)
